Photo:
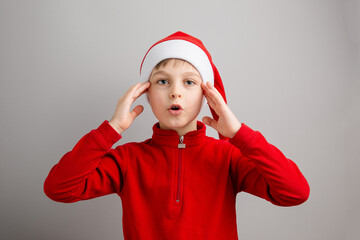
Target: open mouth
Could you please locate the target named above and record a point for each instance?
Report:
(175, 107)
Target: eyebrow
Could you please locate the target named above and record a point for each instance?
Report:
(186, 73)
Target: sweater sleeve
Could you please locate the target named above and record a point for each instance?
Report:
(259, 168)
(91, 169)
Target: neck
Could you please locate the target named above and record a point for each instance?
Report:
(181, 131)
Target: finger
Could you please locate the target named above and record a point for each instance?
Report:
(210, 93)
(213, 89)
(215, 95)
(130, 91)
(205, 87)
(135, 87)
(211, 99)
(216, 103)
(209, 121)
(135, 90)
(143, 85)
(209, 89)
(142, 89)
(136, 111)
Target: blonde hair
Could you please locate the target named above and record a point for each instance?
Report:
(175, 62)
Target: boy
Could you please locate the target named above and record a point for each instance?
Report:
(179, 184)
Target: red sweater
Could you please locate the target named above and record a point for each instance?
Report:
(172, 191)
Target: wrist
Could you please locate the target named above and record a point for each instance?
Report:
(236, 129)
(115, 127)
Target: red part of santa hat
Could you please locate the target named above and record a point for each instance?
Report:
(184, 46)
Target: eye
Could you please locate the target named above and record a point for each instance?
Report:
(189, 82)
(162, 81)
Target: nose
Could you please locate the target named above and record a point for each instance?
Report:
(175, 95)
(175, 91)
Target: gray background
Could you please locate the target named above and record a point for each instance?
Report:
(290, 70)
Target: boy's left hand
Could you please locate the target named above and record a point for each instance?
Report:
(227, 124)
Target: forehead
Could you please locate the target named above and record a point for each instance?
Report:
(178, 65)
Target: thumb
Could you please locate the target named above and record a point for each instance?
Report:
(136, 111)
(209, 121)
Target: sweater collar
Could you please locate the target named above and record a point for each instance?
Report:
(172, 138)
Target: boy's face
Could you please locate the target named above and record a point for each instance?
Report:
(176, 85)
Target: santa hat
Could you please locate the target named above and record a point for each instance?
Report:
(184, 46)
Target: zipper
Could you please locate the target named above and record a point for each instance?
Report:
(181, 145)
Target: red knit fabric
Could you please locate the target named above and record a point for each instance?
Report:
(150, 177)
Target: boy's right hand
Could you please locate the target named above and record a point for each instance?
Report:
(123, 118)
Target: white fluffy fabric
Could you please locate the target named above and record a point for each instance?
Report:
(177, 49)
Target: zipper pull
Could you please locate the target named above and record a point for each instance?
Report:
(181, 144)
